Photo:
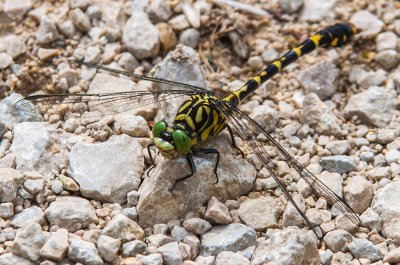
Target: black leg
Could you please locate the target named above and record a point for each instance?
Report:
(233, 140)
(192, 165)
(209, 151)
(153, 164)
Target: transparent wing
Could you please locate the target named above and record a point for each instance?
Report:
(248, 129)
(93, 105)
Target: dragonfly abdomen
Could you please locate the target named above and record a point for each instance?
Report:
(198, 118)
(333, 36)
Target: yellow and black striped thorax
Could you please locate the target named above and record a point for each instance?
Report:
(333, 36)
(199, 117)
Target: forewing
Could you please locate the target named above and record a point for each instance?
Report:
(248, 129)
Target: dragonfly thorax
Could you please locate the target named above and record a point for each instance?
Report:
(170, 141)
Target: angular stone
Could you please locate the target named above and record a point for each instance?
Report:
(231, 258)
(47, 31)
(34, 186)
(28, 242)
(6, 210)
(108, 247)
(84, 252)
(16, 9)
(10, 180)
(56, 246)
(143, 45)
(80, 20)
(13, 45)
(337, 240)
(93, 165)
(152, 259)
(314, 11)
(171, 253)
(339, 163)
(27, 216)
(367, 23)
(236, 237)
(217, 212)
(72, 213)
(157, 204)
(11, 259)
(266, 116)
(363, 248)
(261, 213)
(197, 225)
(133, 248)
(123, 228)
(289, 246)
(374, 107)
(358, 194)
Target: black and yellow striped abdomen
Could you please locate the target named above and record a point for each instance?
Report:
(333, 36)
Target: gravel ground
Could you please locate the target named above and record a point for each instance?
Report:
(75, 190)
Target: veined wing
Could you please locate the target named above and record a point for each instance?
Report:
(247, 129)
(93, 105)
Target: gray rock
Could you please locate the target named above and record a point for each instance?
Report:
(210, 260)
(197, 225)
(56, 246)
(143, 45)
(94, 11)
(93, 165)
(158, 240)
(314, 11)
(372, 78)
(128, 62)
(236, 237)
(33, 144)
(133, 248)
(106, 83)
(10, 180)
(80, 20)
(339, 163)
(56, 186)
(320, 79)
(108, 247)
(386, 203)
(13, 45)
(179, 233)
(157, 204)
(47, 31)
(231, 258)
(123, 228)
(386, 41)
(217, 212)
(388, 59)
(135, 126)
(152, 259)
(72, 213)
(371, 219)
(11, 259)
(6, 210)
(132, 198)
(67, 28)
(28, 242)
(367, 23)
(93, 54)
(271, 54)
(190, 37)
(338, 147)
(392, 156)
(192, 14)
(34, 186)
(84, 252)
(358, 193)
(5, 60)
(374, 107)
(319, 116)
(363, 248)
(290, 6)
(10, 115)
(289, 246)
(337, 240)
(194, 244)
(171, 253)
(266, 116)
(385, 136)
(16, 9)
(159, 11)
(261, 213)
(291, 216)
(28, 216)
(183, 65)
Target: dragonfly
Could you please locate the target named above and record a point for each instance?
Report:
(204, 114)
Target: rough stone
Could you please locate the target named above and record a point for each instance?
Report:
(28, 242)
(5, 60)
(261, 213)
(93, 165)
(171, 253)
(337, 240)
(72, 213)
(141, 37)
(11, 259)
(363, 248)
(314, 11)
(367, 23)
(27, 216)
(197, 225)
(266, 116)
(339, 163)
(123, 228)
(108, 247)
(217, 212)
(10, 180)
(56, 246)
(236, 237)
(358, 194)
(373, 107)
(47, 31)
(84, 252)
(133, 248)
(289, 246)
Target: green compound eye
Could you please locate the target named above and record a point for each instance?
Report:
(182, 141)
(158, 128)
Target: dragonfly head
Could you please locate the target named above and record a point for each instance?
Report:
(171, 142)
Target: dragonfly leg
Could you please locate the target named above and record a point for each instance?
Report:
(192, 165)
(233, 140)
(153, 164)
(205, 151)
